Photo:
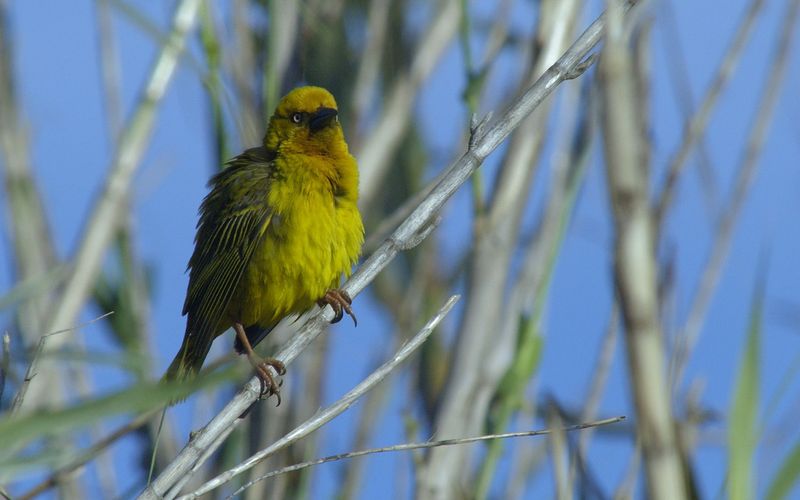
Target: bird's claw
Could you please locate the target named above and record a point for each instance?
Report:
(340, 302)
(269, 386)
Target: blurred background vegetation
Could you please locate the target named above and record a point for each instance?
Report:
(588, 290)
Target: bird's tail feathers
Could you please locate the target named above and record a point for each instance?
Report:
(185, 365)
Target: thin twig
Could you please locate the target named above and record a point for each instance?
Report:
(32, 367)
(416, 222)
(430, 444)
(105, 215)
(324, 416)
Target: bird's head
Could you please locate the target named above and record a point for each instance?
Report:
(306, 122)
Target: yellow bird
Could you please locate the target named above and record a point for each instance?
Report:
(278, 230)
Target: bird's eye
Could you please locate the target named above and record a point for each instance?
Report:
(297, 117)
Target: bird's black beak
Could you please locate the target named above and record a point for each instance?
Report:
(321, 118)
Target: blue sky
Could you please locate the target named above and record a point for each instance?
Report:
(58, 78)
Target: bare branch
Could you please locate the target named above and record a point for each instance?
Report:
(430, 444)
(324, 416)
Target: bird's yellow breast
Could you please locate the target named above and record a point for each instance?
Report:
(312, 238)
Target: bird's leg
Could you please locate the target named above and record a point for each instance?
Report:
(340, 301)
(268, 384)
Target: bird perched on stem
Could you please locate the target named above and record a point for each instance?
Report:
(276, 234)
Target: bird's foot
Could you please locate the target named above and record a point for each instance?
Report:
(269, 386)
(340, 301)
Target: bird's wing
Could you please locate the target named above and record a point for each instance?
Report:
(233, 218)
